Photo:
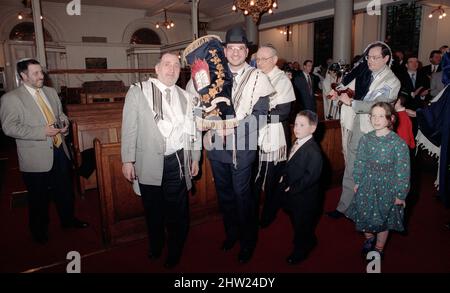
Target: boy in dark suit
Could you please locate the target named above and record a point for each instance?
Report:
(300, 185)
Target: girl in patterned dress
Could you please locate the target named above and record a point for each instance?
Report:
(381, 175)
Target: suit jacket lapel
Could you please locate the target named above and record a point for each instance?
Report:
(51, 101)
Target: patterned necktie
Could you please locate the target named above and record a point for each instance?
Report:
(413, 79)
(57, 139)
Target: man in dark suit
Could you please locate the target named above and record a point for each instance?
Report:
(233, 150)
(32, 114)
(304, 85)
(434, 66)
(398, 65)
(413, 82)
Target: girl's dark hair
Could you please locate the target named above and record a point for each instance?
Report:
(390, 113)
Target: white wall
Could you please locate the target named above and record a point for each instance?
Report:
(365, 31)
(433, 34)
(300, 46)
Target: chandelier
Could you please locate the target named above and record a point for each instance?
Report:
(255, 8)
(26, 12)
(168, 24)
(439, 11)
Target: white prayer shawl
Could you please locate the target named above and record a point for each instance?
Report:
(258, 85)
(165, 126)
(424, 143)
(272, 139)
(384, 87)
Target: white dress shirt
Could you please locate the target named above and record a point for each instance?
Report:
(173, 123)
(32, 92)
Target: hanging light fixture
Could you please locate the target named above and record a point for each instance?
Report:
(286, 31)
(255, 8)
(27, 12)
(168, 24)
(440, 11)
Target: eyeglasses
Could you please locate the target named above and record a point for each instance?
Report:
(373, 58)
(259, 60)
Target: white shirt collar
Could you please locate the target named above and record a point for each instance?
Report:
(32, 90)
(302, 141)
(162, 87)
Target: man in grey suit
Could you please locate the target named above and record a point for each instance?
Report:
(32, 114)
(158, 150)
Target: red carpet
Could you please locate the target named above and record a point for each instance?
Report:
(424, 249)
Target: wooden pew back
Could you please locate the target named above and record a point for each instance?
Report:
(121, 210)
(84, 131)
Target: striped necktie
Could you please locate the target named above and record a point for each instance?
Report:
(168, 96)
(57, 139)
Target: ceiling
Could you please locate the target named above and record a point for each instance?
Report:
(207, 8)
(218, 12)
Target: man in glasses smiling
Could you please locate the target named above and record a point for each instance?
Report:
(372, 81)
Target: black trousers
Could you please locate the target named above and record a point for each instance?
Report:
(272, 200)
(303, 211)
(237, 202)
(166, 208)
(42, 185)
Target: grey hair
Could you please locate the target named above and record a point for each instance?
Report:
(271, 47)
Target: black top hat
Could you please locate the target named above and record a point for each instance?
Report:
(236, 35)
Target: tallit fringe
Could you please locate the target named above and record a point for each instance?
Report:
(216, 124)
(275, 157)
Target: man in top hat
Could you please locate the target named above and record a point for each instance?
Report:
(233, 150)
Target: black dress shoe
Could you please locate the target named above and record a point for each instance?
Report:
(41, 238)
(153, 255)
(77, 224)
(447, 226)
(295, 258)
(171, 262)
(265, 224)
(245, 255)
(335, 214)
(228, 244)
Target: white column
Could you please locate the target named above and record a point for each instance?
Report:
(194, 13)
(39, 33)
(342, 35)
(383, 23)
(251, 30)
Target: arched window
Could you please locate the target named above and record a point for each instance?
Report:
(24, 31)
(145, 36)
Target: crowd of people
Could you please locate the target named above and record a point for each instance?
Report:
(381, 102)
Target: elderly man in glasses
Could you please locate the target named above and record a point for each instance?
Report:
(372, 81)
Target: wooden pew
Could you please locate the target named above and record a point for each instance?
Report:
(121, 209)
(84, 131)
(79, 109)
